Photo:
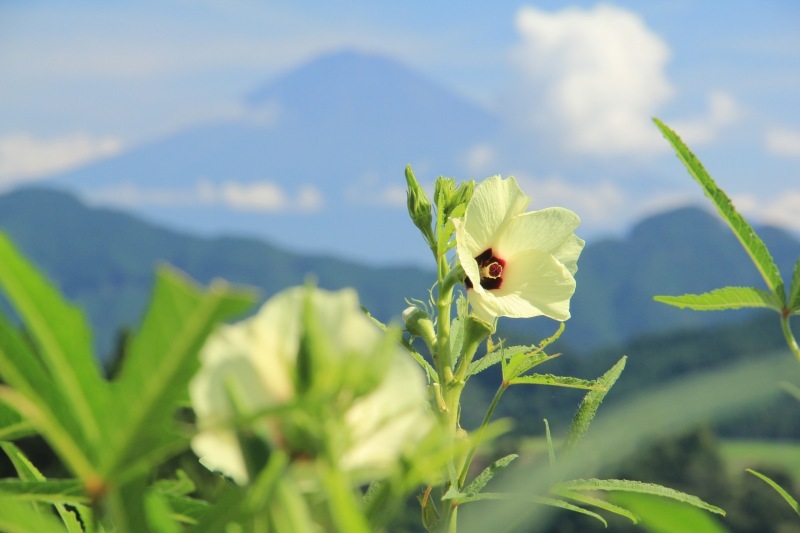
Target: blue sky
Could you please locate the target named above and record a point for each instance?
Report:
(90, 79)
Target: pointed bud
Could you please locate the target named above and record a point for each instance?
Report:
(419, 324)
(419, 207)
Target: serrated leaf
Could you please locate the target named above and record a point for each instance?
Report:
(661, 515)
(488, 473)
(456, 339)
(27, 471)
(591, 402)
(724, 298)
(185, 509)
(52, 491)
(539, 500)
(61, 333)
(161, 359)
(600, 504)
(751, 242)
(17, 518)
(557, 381)
(780, 490)
(625, 485)
(794, 293)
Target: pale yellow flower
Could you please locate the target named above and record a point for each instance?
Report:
(518, 264)
(365, 395)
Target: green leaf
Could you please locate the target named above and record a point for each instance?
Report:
(600, 504)
(26, 471)
(724, 298)
(184, 509)
(751, 242)
(61, 333)
(557, 381)
(181, 486)
(53, 491)
(666, 516)
(591, 402)
(488, 473)
(539, 500)
(159, 516)
(529, 357)
(780, 490)
(13, 425)
(38, 399)
(160, 361)
(625, 485)
(17, 518)
(551, 451)
(794, 293)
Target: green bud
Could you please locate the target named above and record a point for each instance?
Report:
(419, 207)
(419, 324)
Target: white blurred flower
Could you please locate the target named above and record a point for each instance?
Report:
(354, 388)
(518, 264)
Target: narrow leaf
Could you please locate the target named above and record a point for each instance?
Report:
(557, 381)
(17, 518)
(780, 490)
(27, 471)
(601, 504)
(162, 358)
(184, 509)
(551, 452)
(591, 402)
(794, 293)
(751, 242)
(488, 473)
(625, 485)
(724, 298)
(52, 491)
(62, 335)
(539, 500)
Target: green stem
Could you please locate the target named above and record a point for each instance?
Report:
(787, 333)
(462, 478)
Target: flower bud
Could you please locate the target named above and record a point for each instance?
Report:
(419, 324)
(419, 207)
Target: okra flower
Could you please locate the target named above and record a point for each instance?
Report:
(317, 379)
(518, 264)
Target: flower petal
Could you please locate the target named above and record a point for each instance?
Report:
(494, 203)
(544, 230)
(568, 253)
(466, 256)
(534, 283)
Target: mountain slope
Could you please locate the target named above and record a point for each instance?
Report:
(104, 260)
(314, 162)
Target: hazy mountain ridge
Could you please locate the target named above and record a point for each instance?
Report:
(104, 260)
(327, 143)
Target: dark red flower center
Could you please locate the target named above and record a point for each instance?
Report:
(491, 270)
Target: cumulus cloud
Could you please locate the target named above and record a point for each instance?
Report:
(598, 204)
(723, 110)
(778, 210)
(260, 196)
(783, 141)
(592, 78)
(25, 158)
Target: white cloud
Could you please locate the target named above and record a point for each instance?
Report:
(371, 190)
(25, 158)
(783, 142)
(479, 158)
(598, 204)
(778, 211)
(260, 196)
(723, 110)
(593, 78)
